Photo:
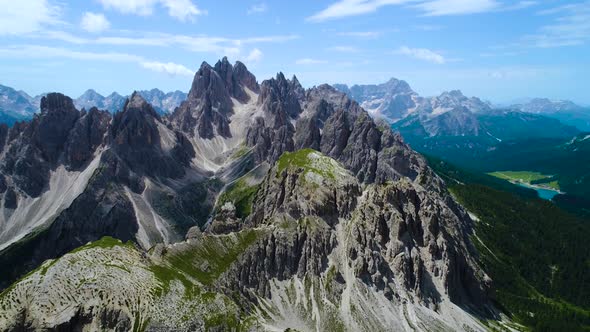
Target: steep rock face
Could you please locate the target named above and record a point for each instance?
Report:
(86, 136)
(273, 134)
(140, 137)
(399, 239)
(34, 148)
(209, 104)
(423, 246)
(236, 79)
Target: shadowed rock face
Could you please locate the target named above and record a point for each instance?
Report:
(136, 137)
(34, 148)
(86, 136)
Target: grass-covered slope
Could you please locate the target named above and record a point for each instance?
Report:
(111, 285)
(536, 253)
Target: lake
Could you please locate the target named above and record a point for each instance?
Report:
(544, 193)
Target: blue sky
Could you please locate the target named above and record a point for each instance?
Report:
(498, 50)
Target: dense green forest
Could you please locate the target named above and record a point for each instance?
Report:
(537, 254)
(565, 161)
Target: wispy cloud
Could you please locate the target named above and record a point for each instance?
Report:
(94, 23)
(570, 27)
(22, 17)
(421, 54)
(45, 52)
(38, 51)
(198, 44)
(428, 27)
(361, 34)
(309, 61)
(183, 10)
(457, 7)
(257, 8)
(169, 68)
(346, 8)
(343, 49)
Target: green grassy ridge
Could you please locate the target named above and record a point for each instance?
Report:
(241, 195)
(300, 159)
(206, 260)
(538, 259)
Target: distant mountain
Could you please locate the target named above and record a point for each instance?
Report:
(392, 100)
(564, 110)
(395, 100)
(450, 100)
(18, 105)
(546, 106)
(15, 105)
(162, 102)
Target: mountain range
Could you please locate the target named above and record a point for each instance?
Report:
(250, 207)
(267, 206)
(18, 105)
(395, 100)
(532, 136)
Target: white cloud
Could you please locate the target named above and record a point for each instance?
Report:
(346, 8)
(170, 68)
(422, 54)
(457, 7)
(308, 61)
(22, 17)
(361, 34)
(343, 49)
(94, 23)
(183, 10)
(254, 56)
(257, 9)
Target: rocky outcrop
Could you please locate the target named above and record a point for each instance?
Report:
(272, 134)
(209, 105)
(35, 148)
(141, 139)
(399, 237)
(85, 138)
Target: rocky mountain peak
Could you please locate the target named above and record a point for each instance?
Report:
(91, 94)
(245, 77)
(57, 102)
(280, 98)
(136, 101)
(398, 86)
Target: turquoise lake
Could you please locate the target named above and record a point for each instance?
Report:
(547, 194)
